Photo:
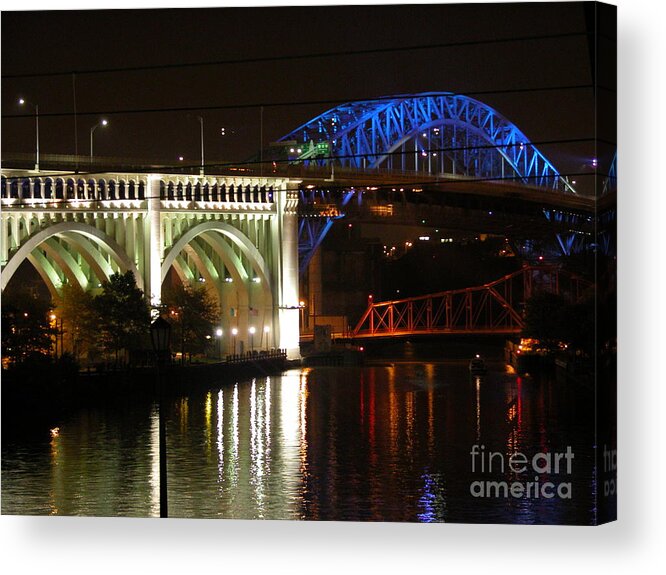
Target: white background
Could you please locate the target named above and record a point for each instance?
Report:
(632, 545)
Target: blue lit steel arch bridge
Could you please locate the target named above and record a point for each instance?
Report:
(436, 134)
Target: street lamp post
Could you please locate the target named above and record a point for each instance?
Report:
(301, 305)
(218, 333)
(201, 170)
(54, 323)
(201, 124)
(234, 332)
(267, 330)
(252, 330)
(160, 335)
(23, 102)
(92, 131)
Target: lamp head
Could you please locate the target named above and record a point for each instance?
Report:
(160, 334)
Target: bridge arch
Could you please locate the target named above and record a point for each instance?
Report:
(83, 228)
(417, 131)
(214, 249)
(68, 231)
(64, 260)
(248, 249)
(47, 272)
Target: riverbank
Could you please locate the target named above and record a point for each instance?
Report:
(47, 393)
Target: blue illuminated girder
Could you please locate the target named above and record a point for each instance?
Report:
(574, 241)
(414, 132)
(311, 232)
(610, 183)
(313, 225)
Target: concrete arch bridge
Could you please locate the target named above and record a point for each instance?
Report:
(238, 236)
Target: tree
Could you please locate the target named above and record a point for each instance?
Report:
(123, 314)
(80, 322)
(544, 319)
(551, 320)
(580, 323)
(194, 314)
(26, 328)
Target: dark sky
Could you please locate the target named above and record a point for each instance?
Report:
(43, 42)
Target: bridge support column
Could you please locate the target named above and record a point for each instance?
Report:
(315, 297)
(153, 270)
(4, 239)
(288, 304)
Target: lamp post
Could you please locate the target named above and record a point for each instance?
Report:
(54, 325)
(267, 330)
(23, 102)
(201, 170)
(92, 131)
(160, 335)
(201, 123)
(234, 332)
(218, 333)
(252, 331)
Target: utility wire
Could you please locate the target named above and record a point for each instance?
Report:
(294, 57)
(330, 187)
(298, 103)
(222, 165)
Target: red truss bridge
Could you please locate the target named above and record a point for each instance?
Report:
(493, 308)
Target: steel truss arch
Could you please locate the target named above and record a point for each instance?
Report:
(478, 140)
(492, 308)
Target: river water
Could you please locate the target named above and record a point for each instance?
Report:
(390, 441)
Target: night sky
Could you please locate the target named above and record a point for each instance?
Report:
(65, 41)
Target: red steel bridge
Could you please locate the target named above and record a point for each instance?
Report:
(493, 308)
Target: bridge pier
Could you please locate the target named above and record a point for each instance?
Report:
(153, 268)
(289, 300)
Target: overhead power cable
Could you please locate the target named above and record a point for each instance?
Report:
(254, 105)
(294, 57)
(330, 186)
(255, 162)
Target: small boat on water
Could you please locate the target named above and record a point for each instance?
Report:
(477, 366)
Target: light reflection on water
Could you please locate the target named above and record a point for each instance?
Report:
(379, 443)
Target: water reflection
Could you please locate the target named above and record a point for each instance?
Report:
(432, 502)
(155, 462)
(388, 442)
